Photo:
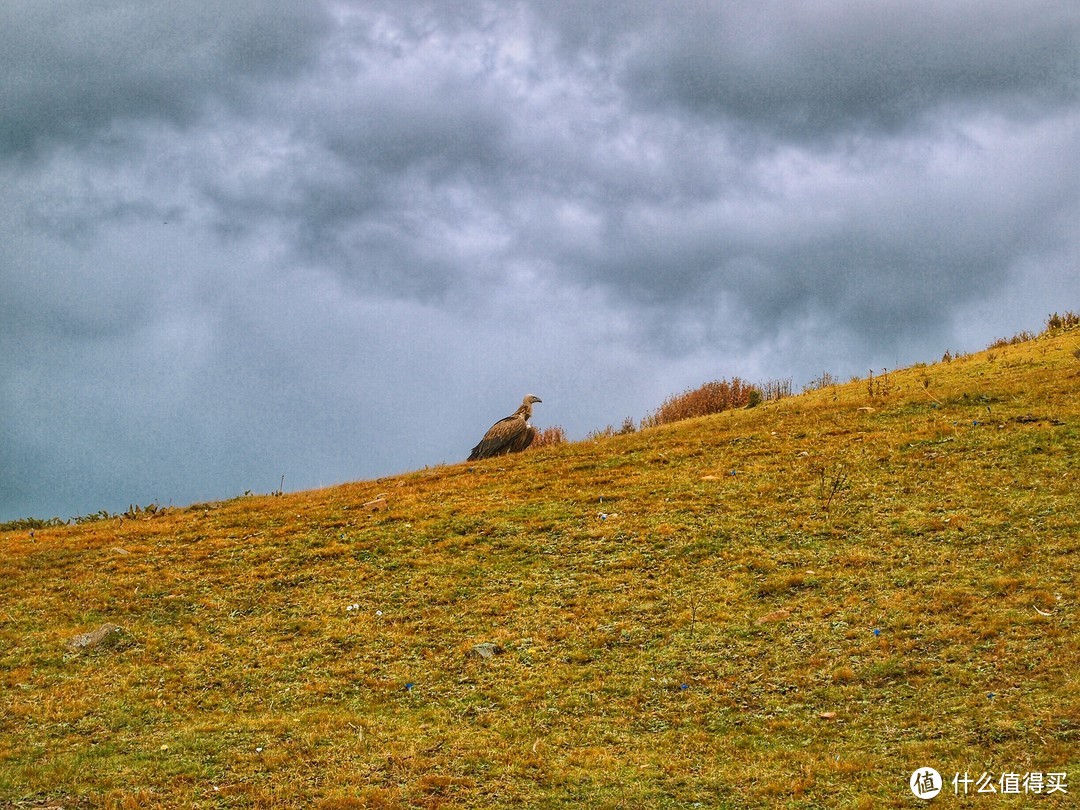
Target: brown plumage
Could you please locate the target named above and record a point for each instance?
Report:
(510, 435)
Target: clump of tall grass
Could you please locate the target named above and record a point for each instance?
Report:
(826, 380)
(1054, 323)
(609, 431)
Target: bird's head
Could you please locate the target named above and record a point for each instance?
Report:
(530, 399)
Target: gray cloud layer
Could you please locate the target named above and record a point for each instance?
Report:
(338, 240)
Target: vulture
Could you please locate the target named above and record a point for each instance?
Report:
(510, 435)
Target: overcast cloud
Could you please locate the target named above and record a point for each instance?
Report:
(335, 241)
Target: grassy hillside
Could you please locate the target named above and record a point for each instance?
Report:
(793, 605)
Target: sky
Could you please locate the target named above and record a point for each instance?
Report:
(333, 241)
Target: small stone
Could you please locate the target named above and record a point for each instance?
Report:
(486, 649)
(106, 636)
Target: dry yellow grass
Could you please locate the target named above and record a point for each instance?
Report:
(794, 605)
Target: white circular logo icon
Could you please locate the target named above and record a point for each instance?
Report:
(925, 783)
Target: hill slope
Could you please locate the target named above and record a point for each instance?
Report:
(796, 604)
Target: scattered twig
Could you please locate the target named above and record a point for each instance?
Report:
(831, 482)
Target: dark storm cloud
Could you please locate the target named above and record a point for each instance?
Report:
(898, 103)
(833, 69)
(248, 240)
(72, 69)
(878, 94)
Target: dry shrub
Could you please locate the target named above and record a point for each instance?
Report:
(1019, 337)
(713, 397)
(826, 380)
(1069, 320)
(609, 431)
(549, 437)
(772, 390)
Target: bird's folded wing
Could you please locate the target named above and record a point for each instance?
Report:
(501, 438)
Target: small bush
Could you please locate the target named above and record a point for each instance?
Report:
(609, 431)
(713, 397)
(1057, 323)
(550, 437)
(24, 524)
(1020, 337)
(772, 390)
(94, 517)
(826, 380)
